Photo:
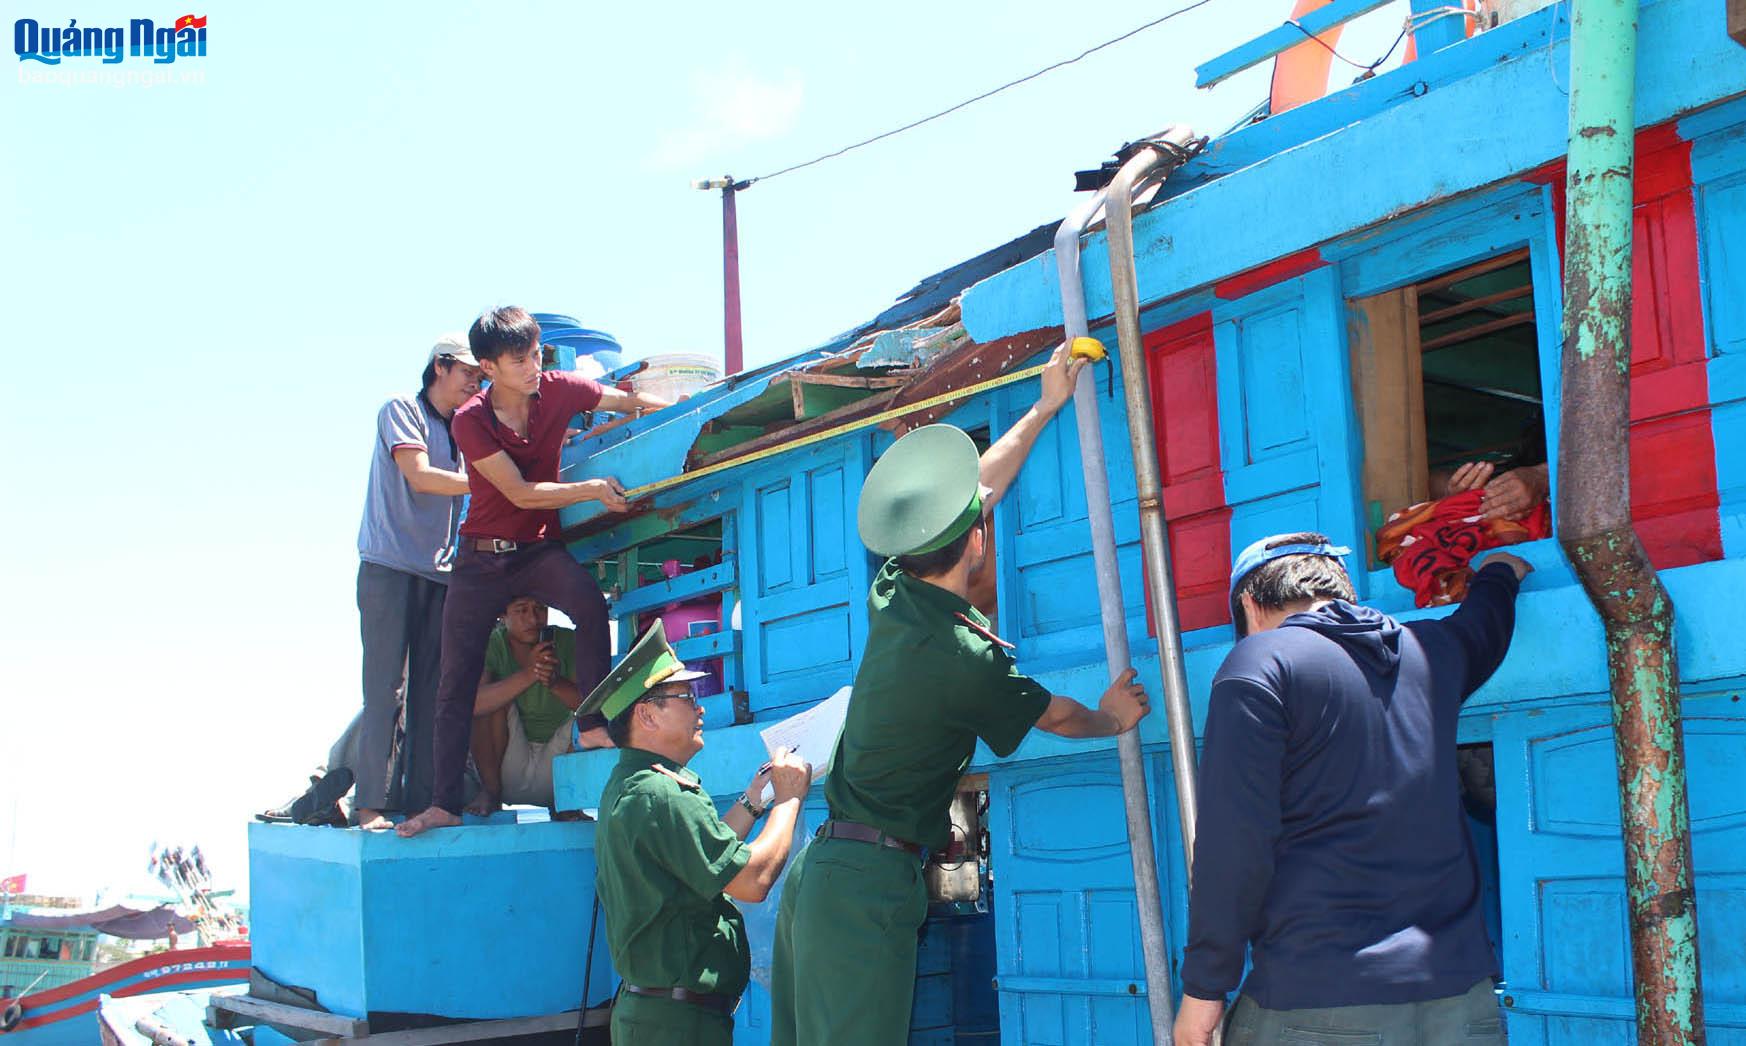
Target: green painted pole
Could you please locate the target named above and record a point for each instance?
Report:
(1594, 525)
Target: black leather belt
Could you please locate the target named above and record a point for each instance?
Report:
(863, 833)
(498, 545)
(722, 1004)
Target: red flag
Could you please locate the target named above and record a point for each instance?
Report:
(12, 885)
(189, 21)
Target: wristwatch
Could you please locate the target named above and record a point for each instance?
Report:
(752, 808)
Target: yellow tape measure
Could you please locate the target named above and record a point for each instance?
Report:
(1082, 348)
(1085, 348)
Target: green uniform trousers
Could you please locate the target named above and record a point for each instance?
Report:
(638, 1020)
(843, 971)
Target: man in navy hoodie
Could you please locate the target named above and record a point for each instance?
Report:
(1332, 845)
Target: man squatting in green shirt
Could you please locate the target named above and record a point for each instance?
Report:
(667, 867)
(522, 714)
(934, 679)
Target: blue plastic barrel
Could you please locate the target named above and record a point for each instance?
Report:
(551, 322)
(582, 349)
(596, 352)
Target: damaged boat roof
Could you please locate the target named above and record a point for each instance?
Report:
(914, 350)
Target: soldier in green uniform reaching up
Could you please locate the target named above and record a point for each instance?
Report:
(667, 865)
(934, 679)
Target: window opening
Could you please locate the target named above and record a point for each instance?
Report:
(1446, 378)
(1480, 361)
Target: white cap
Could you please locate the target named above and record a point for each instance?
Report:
(454, 346)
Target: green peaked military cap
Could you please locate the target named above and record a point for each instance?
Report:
(922, 494)
(649, 663)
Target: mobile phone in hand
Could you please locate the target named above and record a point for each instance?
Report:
(549, 634)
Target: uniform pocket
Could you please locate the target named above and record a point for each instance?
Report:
(1291, 1036)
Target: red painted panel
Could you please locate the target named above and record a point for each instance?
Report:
(1669, 370)
(1673, 489)
(1183, 372)
(1200, 556)
(1185, 407)
(1673, 459)
(1276, 271)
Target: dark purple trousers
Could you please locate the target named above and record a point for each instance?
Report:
(481, 586)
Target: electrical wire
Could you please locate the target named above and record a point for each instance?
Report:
(1365, 71)
(1414, 21)
(984, 95)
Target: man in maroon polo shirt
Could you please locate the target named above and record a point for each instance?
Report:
(511, 435)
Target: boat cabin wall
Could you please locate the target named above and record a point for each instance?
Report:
(1284, 397)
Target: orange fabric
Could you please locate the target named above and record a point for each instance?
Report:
(1300, 73)
(1431, 544)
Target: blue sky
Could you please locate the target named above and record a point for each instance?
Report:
(211, 285)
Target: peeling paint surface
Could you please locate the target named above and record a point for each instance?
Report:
(1595, 526)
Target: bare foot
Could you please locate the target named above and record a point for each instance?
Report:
(435, 817)
(372, 820)
(483, 805)
(570, 815)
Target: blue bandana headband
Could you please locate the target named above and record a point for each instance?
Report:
(1258, 553)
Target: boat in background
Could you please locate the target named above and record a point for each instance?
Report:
(67, 1015)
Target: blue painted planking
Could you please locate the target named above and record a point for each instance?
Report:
(650, 448)
(1566, 949)
(1686, 60)
(1259, 346)
(1557, 657)
(1048, 607)
(1280, 39)
(1438, 239)
(706, 647)
(1287, 444)
(1256, 141)
(1070, 968)
(304, 903)
(1729, 426)
(678, 589)
(503, 935)
(717, 498)
(1722, 209)
(772, 509)
(1719, 169)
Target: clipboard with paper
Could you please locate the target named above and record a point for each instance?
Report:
(812, 734)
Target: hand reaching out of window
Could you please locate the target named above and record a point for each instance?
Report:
(1471, 476)
(1515, 493)
(1511, 494)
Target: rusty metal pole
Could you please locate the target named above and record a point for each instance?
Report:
(734, 349)
(1594, 525)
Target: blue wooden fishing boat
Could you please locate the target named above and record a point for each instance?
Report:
(1322, 308)
(67, 1014)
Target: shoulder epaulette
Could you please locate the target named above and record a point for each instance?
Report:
(678, 778)
(964, 619)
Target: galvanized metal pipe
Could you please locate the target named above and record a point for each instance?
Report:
(1154, 945)
(1594, 525)
(1171, 149)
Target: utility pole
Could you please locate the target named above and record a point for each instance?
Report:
(733, 347)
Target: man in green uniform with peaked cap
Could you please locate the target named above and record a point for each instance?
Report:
(934, 679)
(667, 864)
